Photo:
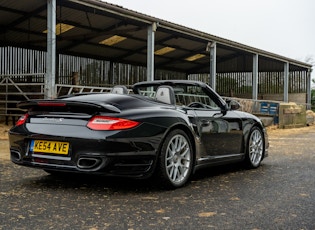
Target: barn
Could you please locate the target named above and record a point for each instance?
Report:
(54, 47)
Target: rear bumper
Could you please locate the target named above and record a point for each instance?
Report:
(127, 158)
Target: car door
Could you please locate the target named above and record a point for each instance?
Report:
(220, 134)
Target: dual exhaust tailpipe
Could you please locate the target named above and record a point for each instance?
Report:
(90, 163)
(15, 155)
(83, 163)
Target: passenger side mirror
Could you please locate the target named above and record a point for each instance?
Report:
(233, 105)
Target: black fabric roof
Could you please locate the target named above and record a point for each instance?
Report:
(22, 24)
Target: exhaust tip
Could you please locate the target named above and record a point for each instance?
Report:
(88, 162)
(15, 155)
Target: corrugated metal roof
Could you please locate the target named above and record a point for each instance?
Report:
(23, 23)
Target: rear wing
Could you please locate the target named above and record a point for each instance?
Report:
(67, 105)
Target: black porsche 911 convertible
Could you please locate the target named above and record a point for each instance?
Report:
(167, 129)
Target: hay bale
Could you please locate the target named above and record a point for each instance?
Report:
(310, 117)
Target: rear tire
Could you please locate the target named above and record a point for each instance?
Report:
(176, 160)
(255, 148)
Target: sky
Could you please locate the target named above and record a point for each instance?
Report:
(284, 27)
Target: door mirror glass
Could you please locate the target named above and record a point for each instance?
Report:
(233, 105)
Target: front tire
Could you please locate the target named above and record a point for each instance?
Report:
(255, 148)
(176, 160)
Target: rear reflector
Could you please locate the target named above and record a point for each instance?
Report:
(22, 120)
(110, 123)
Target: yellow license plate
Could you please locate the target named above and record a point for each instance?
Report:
(54, 147)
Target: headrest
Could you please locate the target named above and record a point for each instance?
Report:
(165, 94)
(119, 89)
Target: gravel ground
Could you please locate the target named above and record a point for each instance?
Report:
(277, 195)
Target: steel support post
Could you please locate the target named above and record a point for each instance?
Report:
(286, 82)
(255, 77)
(213, 64)
(111, 73)
(150, 51)
(309, 90)
(50, 84)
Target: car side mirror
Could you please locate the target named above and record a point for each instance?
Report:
(233, 105)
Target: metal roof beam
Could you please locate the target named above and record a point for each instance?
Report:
(104, 10)
(25, 16)
(181, 58)
(86, 37)
(161, 42)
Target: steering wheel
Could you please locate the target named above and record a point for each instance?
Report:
(196, 105)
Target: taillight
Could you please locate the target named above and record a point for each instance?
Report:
(22, 120)
(110, 123)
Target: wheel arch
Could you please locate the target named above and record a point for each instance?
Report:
(190, 135)
(247, 136)
(161, 171)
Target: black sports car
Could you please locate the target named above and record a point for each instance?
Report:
(165, 128)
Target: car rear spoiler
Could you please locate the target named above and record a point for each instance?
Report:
(102, 107)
